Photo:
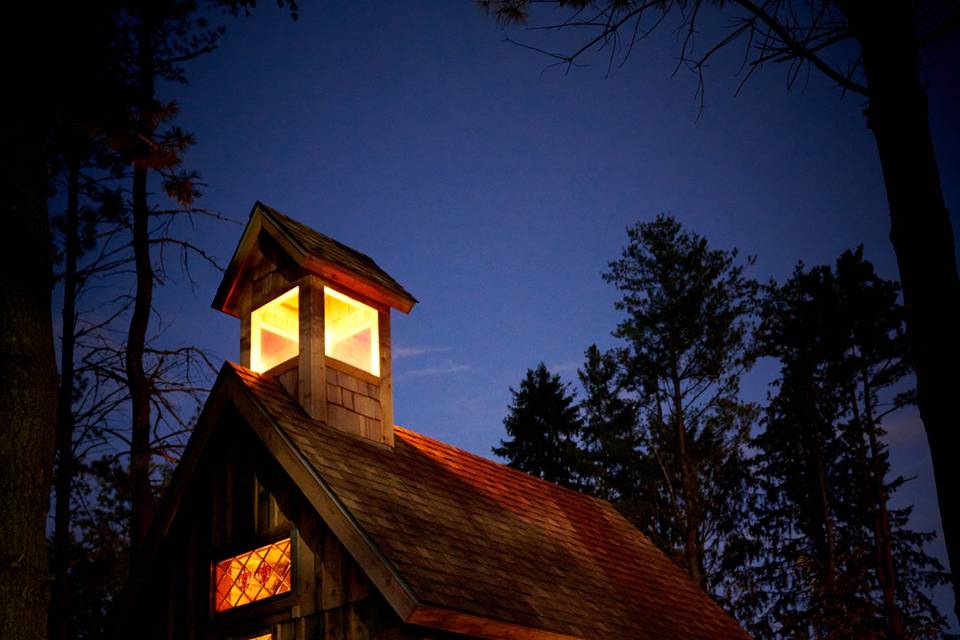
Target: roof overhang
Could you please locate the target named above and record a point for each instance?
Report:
(225, 299)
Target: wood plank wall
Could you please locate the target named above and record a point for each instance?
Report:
(332, 598)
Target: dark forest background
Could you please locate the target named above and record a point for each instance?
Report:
(782, 510)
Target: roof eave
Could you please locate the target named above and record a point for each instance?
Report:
(259, 220)
(479, 627)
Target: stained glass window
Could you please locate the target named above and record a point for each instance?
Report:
(351, 332)
(255, 575)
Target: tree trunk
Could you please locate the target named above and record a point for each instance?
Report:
(28, 393)
(922, 238)
(137, 382)
(66, 465)
(142, 495)
(828, 533)
(886, 569)
(692, 551)
(872, 471)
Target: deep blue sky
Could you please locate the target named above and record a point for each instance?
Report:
(497, 190)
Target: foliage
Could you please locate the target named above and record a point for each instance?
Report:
(544, 426)
(611, 434)
(877, 51)
(839, 561)
(687, 334)
(112, 142)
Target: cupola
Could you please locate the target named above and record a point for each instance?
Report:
(315, 315)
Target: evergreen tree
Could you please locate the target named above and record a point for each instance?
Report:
(544, 426)
(838, 561)
(611, 434)
(687, 331)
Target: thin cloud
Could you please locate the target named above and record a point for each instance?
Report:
(447, 368)
(412, 352)
(564, 367)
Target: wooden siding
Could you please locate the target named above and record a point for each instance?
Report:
(331, 599)
(353, 403)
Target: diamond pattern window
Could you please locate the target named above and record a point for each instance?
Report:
(351, 333)
(255, 575)
(275, 331)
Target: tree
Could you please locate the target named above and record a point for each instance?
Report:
(544, 427)
(687, 331)
(59, 59)
(611, 435)
(48, 95)
(867, 49)
(837, 559)
(160, 38)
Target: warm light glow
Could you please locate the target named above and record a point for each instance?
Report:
(256, 575)
(266, 636)
(351, 333)
(275, 331)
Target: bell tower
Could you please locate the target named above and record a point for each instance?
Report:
(315, 315)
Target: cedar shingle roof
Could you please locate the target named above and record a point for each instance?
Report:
(317, 245)
(470, 535)
(315, 253)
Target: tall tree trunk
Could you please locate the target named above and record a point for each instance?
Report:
(872, 471)
(28, 393)
(692, 551)
(922, 238)
(828, 533)
(137, 382)
(886, 568)
(63, 480)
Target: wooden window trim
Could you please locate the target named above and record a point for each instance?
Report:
(264, 606)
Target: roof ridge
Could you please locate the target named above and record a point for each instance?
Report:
(284, 219)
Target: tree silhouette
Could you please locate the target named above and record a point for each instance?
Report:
(70, 68)
(838, 560)
(544, 426)
(686, 327)
(612, 436)
(868, 49)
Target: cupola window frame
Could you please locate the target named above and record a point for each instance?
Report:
(351, 331)
(275, 331)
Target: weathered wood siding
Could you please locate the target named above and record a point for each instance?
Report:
(353, 403)
(331, 597)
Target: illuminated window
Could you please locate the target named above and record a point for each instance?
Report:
(275, 331)
(351, 332)
(256, 575)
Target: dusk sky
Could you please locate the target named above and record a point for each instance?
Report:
(496, 190)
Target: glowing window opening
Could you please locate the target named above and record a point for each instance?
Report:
(252, 576)
(275, 331)
(351, 331)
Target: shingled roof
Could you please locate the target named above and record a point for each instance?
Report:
(316, 252)
(466, 540)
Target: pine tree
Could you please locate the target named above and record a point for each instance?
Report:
(611, 434)
(544, 426)
(838, 560)
(687, 332)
